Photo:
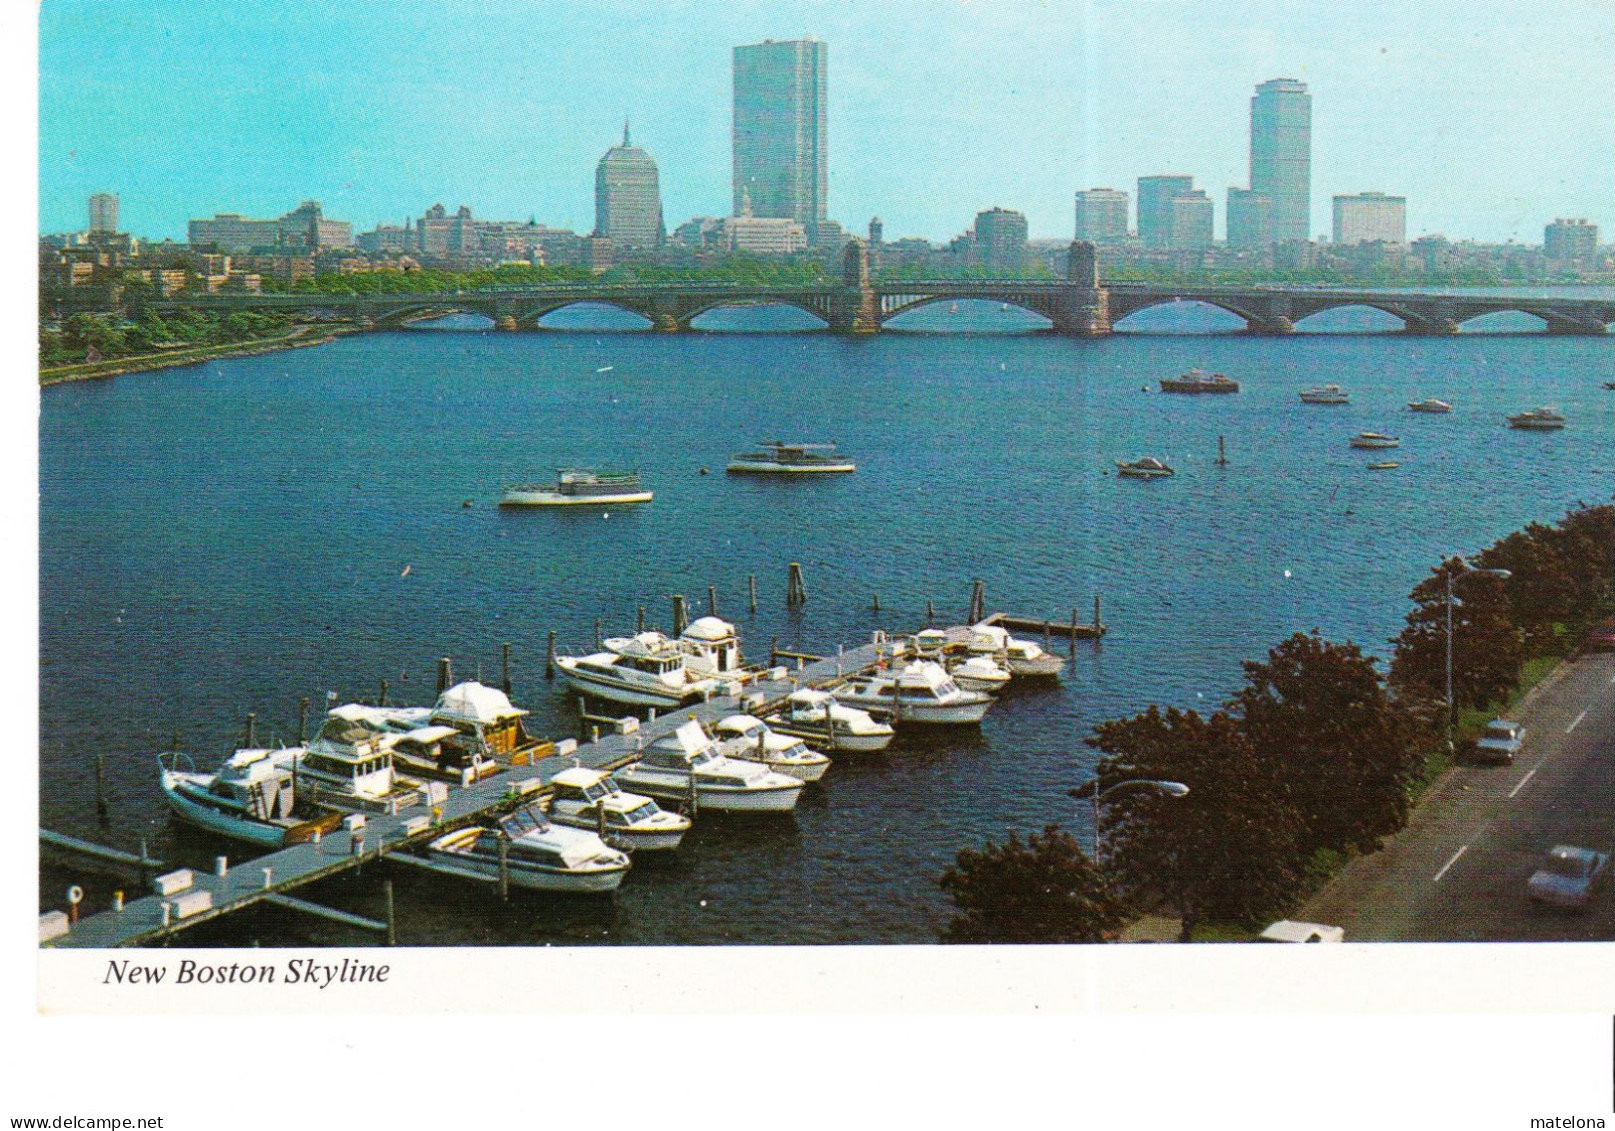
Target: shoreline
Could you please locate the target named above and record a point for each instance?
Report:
(147, 363)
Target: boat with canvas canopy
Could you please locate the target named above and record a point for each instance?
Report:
(538, 855)
(579, 486)
(777, 457)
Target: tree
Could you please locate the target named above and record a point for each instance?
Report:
(1230, 849)
(1542, 589)
(1486, 652)
(1042, 891)
(1346, 751)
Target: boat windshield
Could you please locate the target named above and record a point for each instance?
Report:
(703, 757)
(641, 813)
(523, 821)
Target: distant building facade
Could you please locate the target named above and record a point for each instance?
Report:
(1102, 215)
(1154, 206)
(304, 226)
(1568, 240)
(781, 155)
(1370, 217)
(1281, 154)
(104, 212)
(1249, 219)
(1191, 219)
(628, 197)
(999, 245)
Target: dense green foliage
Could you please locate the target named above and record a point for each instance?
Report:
(744, 269)
(110, 337)
(1486, 645)
(1044, 890)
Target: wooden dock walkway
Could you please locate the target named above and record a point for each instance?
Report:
(267, 879)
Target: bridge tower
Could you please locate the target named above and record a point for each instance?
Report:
(855, 308)
(1083, 309)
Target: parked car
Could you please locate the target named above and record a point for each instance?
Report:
(1500, 742)
(1601, 638)
(1292, 930)
(1569, 877)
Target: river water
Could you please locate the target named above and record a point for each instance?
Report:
(233, 536)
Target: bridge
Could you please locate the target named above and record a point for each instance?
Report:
(1077, 306)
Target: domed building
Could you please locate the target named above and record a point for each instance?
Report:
(628, 197)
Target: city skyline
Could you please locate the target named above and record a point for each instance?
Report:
(1468, 131)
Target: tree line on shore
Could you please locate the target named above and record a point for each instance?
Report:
(1315, 759)
(91, 337)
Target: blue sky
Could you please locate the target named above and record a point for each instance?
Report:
(1492, 117)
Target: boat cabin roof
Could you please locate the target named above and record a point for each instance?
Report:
(579, 777)
(475, 702)
(810, 697)
(349, 740)
(709, 630)
(738, 724)
(688, 739)
(646, 645)
(426, 736)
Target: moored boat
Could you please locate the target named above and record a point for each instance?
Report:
(819, 720)
(1384, 465)
(1147, 468)
(591, 799)
(1539, 419)
(711, 648)
(538, 855)
(252, 797)
(685, 766)
(647, 670)
(776, 457)
(1373, 440)
(1199, 381)
(470, 733)
(1429, 404)
(578, 486)
(1325, 394)
(979, 673)
(1022, 657)
(350, 766)
(749, 739)
(921, 692)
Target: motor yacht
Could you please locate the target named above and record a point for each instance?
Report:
(1147, 468)
(686, 766)
(591, 799)
(1429, 404)
(1022, 657)
(776, 457)
(1199, 381)
(1325, 394)
(470, 733)
(1372, 440)
(647, 670)
(1539, 419)
(711, 648)
(749, 739)
(819, 720)
(979, 673)
(921, 692)
(252, 797)
(578, 486)
(930, 644)
(348, 765)
(538, 855)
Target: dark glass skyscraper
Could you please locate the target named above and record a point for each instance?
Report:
(1281, 154)
(781, 159)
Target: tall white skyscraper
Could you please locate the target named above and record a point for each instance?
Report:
(1281, 154)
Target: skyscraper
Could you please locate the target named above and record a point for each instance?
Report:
(1250, 218)
(781, 159)
(1155, 206)
(1281, 154)
(628, 197)
(104, 212)
(1102, 216)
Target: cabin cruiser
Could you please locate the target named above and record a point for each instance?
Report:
(711, 648)
(776, 457)
(647, 670)
(591, 799)
(930, 644)
(349, 766)
(748, 738)
(979, 673)
(1199, 381)
(921, 692)
(1374, 440)
(686, 766)
(1147, 468)
(1384, 465)
(819, 720)
(253, 797)
(471, 733)
(538, 855)
(1540, 419)
(1325, 394)
(1022, 657)
(578, 486)
(1429, 404)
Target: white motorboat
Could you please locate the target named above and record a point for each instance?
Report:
(776, 457)
(1199, 381)
(1429, 404)
(1373, 440)
(711, 648)
(591, 799)
(819, 720)
(252, 797)
(979, 673)
(1325, 394)
(686, 765)
(1539, 419)
(350, 766)
(751, 740)
(538, 855)
(1147, 468)
(921, 692)
(471, 733)
(930, 643)
(578, 486)
(1021, 657)
(647, 670)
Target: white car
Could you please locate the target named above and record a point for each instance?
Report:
(1291, 930)
(1568, 877)
(1500, 742)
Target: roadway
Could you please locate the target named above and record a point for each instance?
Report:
(1457, 873)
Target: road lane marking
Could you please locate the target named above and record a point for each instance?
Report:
(1449, 864)
(1577, 723)
(1523, 780)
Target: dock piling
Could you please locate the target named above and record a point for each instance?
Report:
(639, 624)
(712, 600)
(930, 612)
(1073, 632)
(387, 901)
(795, 587)
(504, 865)
(302, 720)
(383, 701)
(877, 603)
(505, 680)
(549, 658)
(1222, 453)
(751, 584)
(597, 634)
(978, 602)
(773, 651)
(1098, 624)
(252, 730)
(681, 617)
(103, 815)
(445, 674)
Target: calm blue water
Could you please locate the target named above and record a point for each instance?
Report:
(230, 537)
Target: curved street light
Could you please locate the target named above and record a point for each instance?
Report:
(1501, 575)
(1092, 790)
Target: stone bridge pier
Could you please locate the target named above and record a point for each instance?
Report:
(1082, 309)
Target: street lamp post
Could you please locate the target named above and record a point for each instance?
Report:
(1501, 574)
(1167, 788)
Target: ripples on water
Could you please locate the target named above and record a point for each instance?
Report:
(229, 537)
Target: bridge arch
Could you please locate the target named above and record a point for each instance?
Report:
(895, 306)
(579, 313)
(687, 318)
(1337, 318)
(1201, 306)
